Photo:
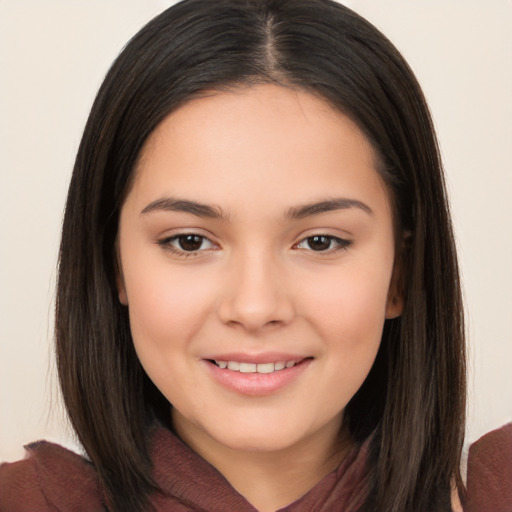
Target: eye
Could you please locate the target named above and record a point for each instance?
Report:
(323, 243)
(186, 243)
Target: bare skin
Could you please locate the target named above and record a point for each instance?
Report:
(456, 504)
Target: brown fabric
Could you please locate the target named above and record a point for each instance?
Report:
(195, 482)
(489, 486)
(52, 478)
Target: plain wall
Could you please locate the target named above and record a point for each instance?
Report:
(53, 56)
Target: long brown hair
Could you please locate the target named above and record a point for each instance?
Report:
(413, 401)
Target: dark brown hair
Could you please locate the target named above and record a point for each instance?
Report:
(413, 401)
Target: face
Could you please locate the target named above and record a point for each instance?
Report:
(256, 250)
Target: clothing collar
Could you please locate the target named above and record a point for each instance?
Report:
(185, 475)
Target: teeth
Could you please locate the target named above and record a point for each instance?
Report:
(247, 367)
(265, 368)
(255, 368)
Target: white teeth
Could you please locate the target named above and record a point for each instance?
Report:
(247, 368)
(254, 367)
(265, 368)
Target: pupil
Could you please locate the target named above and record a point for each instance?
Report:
(190, 242)
(319, 243)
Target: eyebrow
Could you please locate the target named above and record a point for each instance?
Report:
(183, 205)
(341, 203)
(215, 212)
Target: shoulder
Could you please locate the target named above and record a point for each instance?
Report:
(49, 478)
(489, 482)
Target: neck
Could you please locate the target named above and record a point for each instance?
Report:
(270, 480)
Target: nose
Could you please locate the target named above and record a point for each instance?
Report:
(255, 296)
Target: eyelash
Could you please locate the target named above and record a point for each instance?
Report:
(340, 243)
(167, 244)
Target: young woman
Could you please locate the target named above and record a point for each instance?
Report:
(251, 312)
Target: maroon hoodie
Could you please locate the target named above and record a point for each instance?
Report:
(52, 478)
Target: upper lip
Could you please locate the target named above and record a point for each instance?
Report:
(267, 357)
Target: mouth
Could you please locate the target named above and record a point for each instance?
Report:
(257, 378)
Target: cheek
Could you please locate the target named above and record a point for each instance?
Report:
(166, 308)
(349, 317)
(350, 306)
(166, 311)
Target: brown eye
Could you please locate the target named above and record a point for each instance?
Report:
(323, 243)
(319, 243)
(190, 242)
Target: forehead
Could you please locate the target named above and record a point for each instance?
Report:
(250, 140)
(267, 114)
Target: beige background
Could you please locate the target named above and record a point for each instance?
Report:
(53, 56)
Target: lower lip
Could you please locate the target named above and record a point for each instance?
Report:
(257, 384)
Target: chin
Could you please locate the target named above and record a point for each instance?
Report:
(268, 434)
(263, 442)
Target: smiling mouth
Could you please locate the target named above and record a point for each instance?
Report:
(263, 376)
(242, 367)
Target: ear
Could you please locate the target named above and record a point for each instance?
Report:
(396, 292)
(394, 305)
(121, 288)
